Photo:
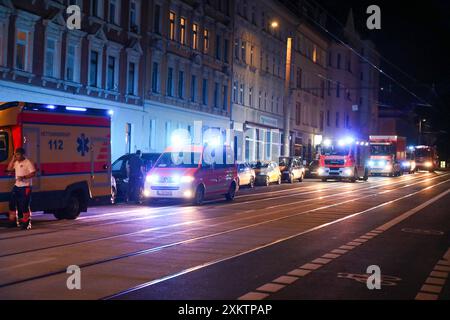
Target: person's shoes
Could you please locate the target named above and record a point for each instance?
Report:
(26, 225)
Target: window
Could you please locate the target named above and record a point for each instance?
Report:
(225, 98)
(195, 36)
(250, 96)
(114, 11)
(206, 41)
(93, 69)
(241, 94)
(338, 61)
(70, 64)
(337, 119)
(259, 99)
(180, 84)
(170, 82)
(193, 88)
(155, 77)
(183, 31)
(157, 19)
(132, 78)
(236, 49)
(322, 89)
(235, 92)
(252, 49)
(225, 50)
(298, 112)
(128, 138)
(110, 82)
(314, 55)
(328, 118)
(4, 144)
(205, 92)
(244, 51)
(216, 95)
(362, 76)
(321, 120)
(299, 78)
(254, 15)
(21, 50)
(50, 51)
(329, 87)
(218, 48)
(347, 121)
(152, 134)
(134, 16)
(330, 59)
(172, 18)
(338, 90)
(96, 8)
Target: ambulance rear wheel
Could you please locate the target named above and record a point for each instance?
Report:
(72, 209)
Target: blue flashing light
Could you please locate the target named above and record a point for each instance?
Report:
(51, 107)
(76, 109)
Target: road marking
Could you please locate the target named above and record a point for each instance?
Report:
(299, 272)
(271, 287)
(254, 296)
(331, 256)
(386, 280)
(339, 251)
(436, 281)
(286, 280)
(26, 264)
(444, 263)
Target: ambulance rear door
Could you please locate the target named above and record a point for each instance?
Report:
(32, 145)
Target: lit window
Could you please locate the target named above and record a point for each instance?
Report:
(21, 50)
(172, 17)
(206, 41)
(183, 30)
(195, 36)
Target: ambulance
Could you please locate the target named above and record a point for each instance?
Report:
(387, 155)
(71, 150)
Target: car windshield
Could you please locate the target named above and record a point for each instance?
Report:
(381, 149)
(179, 160)
(260, 165)
(286, 162)
(423, 152)
(336, 150)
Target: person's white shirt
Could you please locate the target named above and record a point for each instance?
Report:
(24, 168)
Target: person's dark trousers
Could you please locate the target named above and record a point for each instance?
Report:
(134, 187)
(19, 205)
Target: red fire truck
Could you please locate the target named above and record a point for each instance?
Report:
(426, 158)
(344, 159)
(387, 153)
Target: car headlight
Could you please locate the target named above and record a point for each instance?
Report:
(348, 172)
(187, 179)
(371, 163)
(428, 164)
(320, 171)
(152, 178)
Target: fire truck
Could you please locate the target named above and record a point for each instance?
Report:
(344, 159)
(71, 150)
(426, 158)
(387, 154)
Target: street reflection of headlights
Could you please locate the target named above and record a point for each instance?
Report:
(152, 178)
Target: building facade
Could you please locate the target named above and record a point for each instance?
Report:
(261, 29)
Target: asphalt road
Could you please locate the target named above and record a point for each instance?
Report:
(309, 240)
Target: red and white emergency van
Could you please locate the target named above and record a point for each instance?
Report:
(344, 159)
(193, 173)
(426, 158)
(387, 154)
(71, 150)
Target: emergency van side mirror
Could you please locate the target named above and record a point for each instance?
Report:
(105, 167)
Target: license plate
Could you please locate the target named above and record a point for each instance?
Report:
(164, 193)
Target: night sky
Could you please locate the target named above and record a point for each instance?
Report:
(415, 37)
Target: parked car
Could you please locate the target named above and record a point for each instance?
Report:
(267, 172)
(246, 175)
(311, 169)
(119, 171)
(193, 173)
(292, 169)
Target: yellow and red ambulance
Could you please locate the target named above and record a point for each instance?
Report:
(71, 149)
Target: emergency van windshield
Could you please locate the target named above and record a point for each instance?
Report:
(179, 160)
(423, 152)
(381, 149)
(336, 150)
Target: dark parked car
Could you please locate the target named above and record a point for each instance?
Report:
(292, 169)
(119, 171)
(311, 169)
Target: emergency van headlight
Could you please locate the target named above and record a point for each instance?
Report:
(152, 178)
(321, 171)
(388, 167)
(348, 172)
(382, 163)
(428, 164)
(406, 164)
(146, 193)
(371, 163)
(187, 194)
(187, 179)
